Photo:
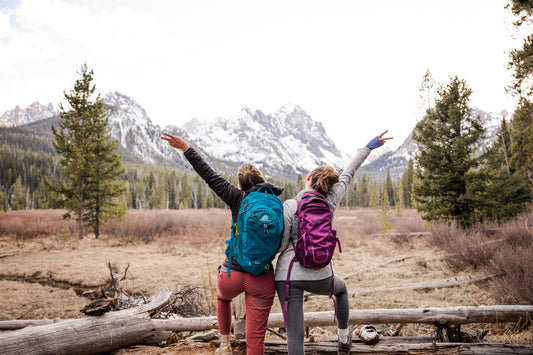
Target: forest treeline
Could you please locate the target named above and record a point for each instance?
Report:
(27, 156)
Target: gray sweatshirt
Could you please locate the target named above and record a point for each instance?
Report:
(290, 232)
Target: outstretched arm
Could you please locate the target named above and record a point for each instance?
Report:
(339, 189)
(222, 187)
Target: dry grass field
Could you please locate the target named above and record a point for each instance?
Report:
(43, 272)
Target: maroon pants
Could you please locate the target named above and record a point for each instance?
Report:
(259, 294)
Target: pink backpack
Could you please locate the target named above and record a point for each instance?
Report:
(316, 237)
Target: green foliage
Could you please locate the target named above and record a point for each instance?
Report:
(521, 155)
(505, 191)
(446, 139)
(90, 180)
(19, 200)
(407, 185)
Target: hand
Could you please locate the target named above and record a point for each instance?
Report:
(384, 139)
(176, 142)
(378, 141)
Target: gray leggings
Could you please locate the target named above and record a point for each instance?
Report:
(295, 312)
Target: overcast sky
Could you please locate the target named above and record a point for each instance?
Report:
(356, 66)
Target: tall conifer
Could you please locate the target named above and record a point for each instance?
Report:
(446, 139)
(89, 181)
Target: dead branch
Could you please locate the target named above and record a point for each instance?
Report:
(381, 265)
(425, 285)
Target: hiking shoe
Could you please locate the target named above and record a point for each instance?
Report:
(344, 348)
(224, 350)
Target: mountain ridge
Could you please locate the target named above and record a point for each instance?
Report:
(284, 143)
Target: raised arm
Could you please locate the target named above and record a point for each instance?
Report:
(339, 189)
(221, 186)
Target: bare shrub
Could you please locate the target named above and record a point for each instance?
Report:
(505, 251)
(30, 224)
(410, 221)
(467, 249)
(193, 227)
(515, 285)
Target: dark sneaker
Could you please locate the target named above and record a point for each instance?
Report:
(344, 348)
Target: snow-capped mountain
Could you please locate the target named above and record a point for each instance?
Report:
(32, 113)
(283, 143)
(287, 141)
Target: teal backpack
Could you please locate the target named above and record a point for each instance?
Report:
(257, 234)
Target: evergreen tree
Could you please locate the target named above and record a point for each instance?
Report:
(521, 138)
(91, 168)
(389, 189)
(407, 184)
(374, 194)
(3, 201)
(19, 201)
(104, 186)
(159, 197)
(171, 182)
(447, 138)
(505, 190)
(363, 191)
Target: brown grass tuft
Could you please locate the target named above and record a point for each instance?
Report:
(505, 251)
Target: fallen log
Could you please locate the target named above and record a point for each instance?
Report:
(407, 235)
(129, 327)
(91, 335)
(23, 323)
(445, 316)
(397, 346)
(425, 285)
(430, 315)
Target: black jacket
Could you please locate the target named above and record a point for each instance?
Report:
(229, 193)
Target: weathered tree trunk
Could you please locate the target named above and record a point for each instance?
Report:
(128, 327)
(425, 285)
(92, 335)
(401, 346)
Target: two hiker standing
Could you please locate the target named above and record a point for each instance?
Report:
(291, 278)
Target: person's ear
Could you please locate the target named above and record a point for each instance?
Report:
(309, 176)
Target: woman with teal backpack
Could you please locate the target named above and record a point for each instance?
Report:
(292, 277)
(234, 278)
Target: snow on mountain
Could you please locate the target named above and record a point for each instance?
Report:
(32, 113)
(283, 143)
(129, 123)
(287, 141)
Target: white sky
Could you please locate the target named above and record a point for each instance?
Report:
(356, 66)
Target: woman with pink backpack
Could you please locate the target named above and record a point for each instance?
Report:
(304, 263)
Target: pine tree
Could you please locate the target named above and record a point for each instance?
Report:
(447, 138)
(505, 190)
(19, 200)
(374, 194)
(91, 168)
(104, 186)
(521, 138)
(363, 191)
(389, 188)
(407, 184)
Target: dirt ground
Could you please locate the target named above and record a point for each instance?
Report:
(44, 277)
